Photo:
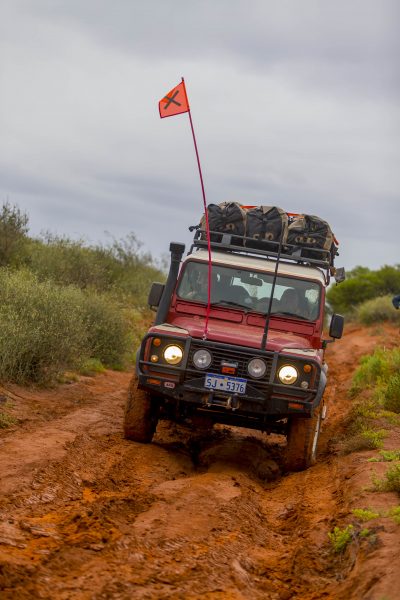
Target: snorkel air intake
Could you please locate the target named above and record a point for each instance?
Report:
(177, 249)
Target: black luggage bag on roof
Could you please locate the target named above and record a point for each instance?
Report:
(314, 234)
(227, 217)
(266, 224)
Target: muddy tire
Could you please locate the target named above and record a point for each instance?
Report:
(141, 415)
(302, 442)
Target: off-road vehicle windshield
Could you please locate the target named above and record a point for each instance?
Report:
(251, 290)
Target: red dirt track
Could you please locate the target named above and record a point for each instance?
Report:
(88, 515)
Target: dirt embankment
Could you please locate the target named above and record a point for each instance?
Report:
(88, 515)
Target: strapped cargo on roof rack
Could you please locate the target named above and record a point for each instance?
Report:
(304, 239)
(309, 231)
(266, 223)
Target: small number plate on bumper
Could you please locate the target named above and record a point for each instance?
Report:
(224, 383)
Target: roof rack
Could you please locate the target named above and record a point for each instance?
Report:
(230, 242)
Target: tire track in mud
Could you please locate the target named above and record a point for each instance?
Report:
(187, 516)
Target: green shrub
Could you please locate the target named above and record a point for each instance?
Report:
(377, 369)
(374, 438)
(392, 476)
(391, 394)
(386, 456)
(364, 533)
(69, 262)
(367, 439)
(340, 538)
(13, 230)
(391, 481)
(395, 514)
(365, 514)
(91, 367)
(119, 269)
(6, 420)
(363, 284)
(377, 310)
(108, 331)
(42, 328)
(46, 328)
(371, 368)
(64, 302)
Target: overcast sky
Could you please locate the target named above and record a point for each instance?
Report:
(295, 103)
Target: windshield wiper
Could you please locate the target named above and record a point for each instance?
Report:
(289, 314)
(231, 303)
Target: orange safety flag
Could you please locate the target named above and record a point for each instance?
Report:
(175, 102)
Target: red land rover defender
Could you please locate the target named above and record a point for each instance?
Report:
(261, 365)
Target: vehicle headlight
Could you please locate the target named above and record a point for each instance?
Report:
(288, 374)
(202, 359)
(256, 368)
(173, 354)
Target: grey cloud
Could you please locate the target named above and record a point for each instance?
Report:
(294, 104)
(353, 41)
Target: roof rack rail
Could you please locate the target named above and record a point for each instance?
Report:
(231, 242)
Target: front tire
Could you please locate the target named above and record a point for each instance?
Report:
(141, 414)
(302, 442)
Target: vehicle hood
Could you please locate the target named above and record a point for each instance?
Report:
(242, 334)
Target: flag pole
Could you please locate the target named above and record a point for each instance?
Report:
(206, 216)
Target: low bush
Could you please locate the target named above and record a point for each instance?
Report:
(361, 437)
(91, 367)
(46, 328)
(391, 394)
(42, 328)
(386, 456)
(361, 285)
(340, 538)
(108, 330)
(6, 420)
(377, 310)
(365, 514)
(13, 235)
(372, 368)
(391, 481)
(120, 268)
(395, 514)
(380, 370)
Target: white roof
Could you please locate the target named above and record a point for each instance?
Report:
(260, 264)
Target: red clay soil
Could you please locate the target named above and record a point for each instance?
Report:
(86, 514)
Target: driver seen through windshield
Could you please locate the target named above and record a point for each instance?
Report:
(251, 290)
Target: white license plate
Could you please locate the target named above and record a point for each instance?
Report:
(224, 383)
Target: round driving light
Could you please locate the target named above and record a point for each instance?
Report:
(288, 374)
(304, 385)
(256, 368)
(173, 354)
(154, 358)
(202, 359)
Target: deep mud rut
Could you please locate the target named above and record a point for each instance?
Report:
(88, 515)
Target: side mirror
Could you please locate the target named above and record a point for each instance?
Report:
(155, 294)
(336, 326)
(340, 275)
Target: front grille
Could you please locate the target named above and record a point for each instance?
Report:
(223, 353)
